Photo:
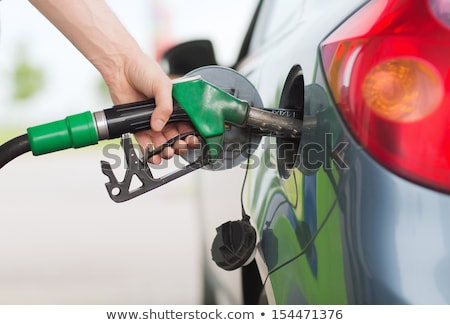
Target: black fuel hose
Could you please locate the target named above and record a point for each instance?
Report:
(13, 149)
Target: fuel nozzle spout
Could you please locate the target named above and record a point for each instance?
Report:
(266, 120)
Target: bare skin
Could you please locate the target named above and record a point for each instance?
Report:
(130, 74)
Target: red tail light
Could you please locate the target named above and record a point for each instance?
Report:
(388, 68)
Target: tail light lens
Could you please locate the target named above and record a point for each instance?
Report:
(388, 70)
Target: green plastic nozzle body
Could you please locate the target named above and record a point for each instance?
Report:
(210, 109)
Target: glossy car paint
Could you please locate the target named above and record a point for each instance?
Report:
(350, 232)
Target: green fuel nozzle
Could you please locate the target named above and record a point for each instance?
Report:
(195, 100)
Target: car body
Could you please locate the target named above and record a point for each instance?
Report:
(356, 212)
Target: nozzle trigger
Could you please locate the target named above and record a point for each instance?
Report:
(121, 191)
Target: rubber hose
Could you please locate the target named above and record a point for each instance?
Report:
(13, 149)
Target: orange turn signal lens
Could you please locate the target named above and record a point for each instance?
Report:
(403, 89)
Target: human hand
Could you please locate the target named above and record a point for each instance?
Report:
(141, 78)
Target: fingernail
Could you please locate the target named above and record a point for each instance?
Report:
(158, 125)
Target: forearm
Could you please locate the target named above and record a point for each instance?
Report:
(97, 33)
(94, 30)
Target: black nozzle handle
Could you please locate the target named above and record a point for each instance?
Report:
(135, 117)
